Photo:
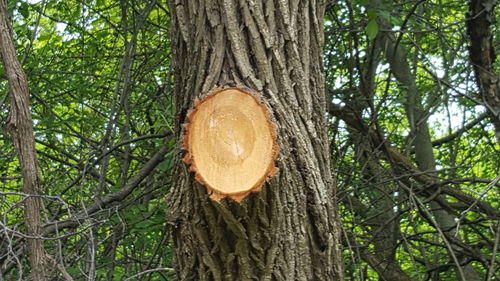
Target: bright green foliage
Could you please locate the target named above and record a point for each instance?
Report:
(98, 78)
(378, 201)
(100, 84)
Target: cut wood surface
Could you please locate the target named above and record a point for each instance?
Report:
(231, 143)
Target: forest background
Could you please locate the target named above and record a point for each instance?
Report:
(413, 204)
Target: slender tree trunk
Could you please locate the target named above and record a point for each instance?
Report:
(382, 221)
(19, 125)
(421, 139)
(482, 55)
(289, 230)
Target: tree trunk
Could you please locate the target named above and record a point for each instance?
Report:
(482, 55)
(19, 125)
(421, 139)
(288, 230)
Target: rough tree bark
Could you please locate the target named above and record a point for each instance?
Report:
(289, 230)
(482, 56)
(19, 125)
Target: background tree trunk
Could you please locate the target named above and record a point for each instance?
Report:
(420, 137)
(289, 230)
(19, 125)
(482, 55)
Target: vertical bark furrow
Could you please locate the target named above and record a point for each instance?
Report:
(183, 25)
(304, 35)
(236, 37)
(256, 43)
(258, 14)
(217, 58)
(283, 13)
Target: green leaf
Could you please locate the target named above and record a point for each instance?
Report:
(372, 14)
(362, 2)
(388, 17)
(372, 29)
(385, 14)
(24, 10)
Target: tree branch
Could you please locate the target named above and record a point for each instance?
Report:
(403, 166)
(460, 131)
